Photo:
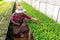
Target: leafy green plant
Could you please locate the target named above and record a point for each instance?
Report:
(5, 12)
(48, 29)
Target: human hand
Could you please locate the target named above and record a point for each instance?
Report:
(17, 24)
(37, 21)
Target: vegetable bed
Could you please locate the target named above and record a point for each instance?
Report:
(48, 29)
(5, 12)
(1, 2)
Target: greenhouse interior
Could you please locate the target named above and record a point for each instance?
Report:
(44, 15)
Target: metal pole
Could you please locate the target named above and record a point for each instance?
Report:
(39, 5)
(46, 7)
(58, 14)
(35, 4)
(31, 2)
(53, 9)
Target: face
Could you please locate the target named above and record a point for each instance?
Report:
(20, 13)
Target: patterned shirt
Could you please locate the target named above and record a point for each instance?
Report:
(14, 15)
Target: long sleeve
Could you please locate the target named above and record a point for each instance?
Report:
(11, 18)
(26, 16)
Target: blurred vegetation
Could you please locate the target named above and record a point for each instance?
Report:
(1, 0)
(5, 13)
(48, 29)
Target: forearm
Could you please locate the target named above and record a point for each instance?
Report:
(33, 19)
(36, 20)
(13, 22)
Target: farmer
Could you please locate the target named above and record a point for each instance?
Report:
(18, 25)
(18, 20)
